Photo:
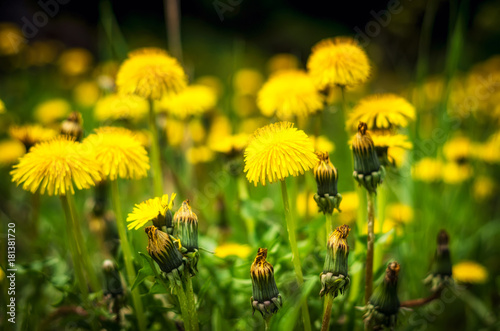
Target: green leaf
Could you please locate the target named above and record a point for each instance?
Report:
(146, 271)
(157, 288)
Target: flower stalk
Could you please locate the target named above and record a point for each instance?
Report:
(155, 152)
(370, 242)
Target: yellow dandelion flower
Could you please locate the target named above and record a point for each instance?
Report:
(119, 152)
(233, 249)
(322, 143)
(488, 151)
(149, 210)
(484, 187)
(200, 154)
(458, 149)
(244, 104)
(306, 206)
(51, 111)
(175, 132)
(400, 213)
(427, 170)
(388, 141)
(31, 134)
(382, 111)
(247, 81)
(212, 82)
(192, 101)
(230, 144)
(397, 156)
(121, 107)
(86, 94)
(75, 61)
(197, 130)
(150, 73)
(282, 61)
(2, 107)
(11, 39)
(56, 165)
(289, 93)
(470, 272)
(350, 204)
(454, 173)
(277, 151)
(11, 151)
(338, 62)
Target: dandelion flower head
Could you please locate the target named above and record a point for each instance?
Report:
(192, 101)
(31, 134)
(121, 107)
(470, 272)
(149, 210)
(52, 111)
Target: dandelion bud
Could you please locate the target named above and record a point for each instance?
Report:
(367, 169)
(442, 267)
(165, 219)
(165, 253)
(266, 298)
(186, 229)
(113, 283)
(383, 307)
(325, 173)
(334, 278)
(72, 126)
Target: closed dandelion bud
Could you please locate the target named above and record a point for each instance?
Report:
(72, 126)
(186, 229)
(383, 307)
(266, 298)
(367, 169)
(335, 278)
(165, 220)
(442, 266)
(326, 176)
(166, 254)
(113, 283)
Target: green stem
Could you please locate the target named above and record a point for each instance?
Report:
(85, 257)
(290, 223)
(381, 206)
(35, 213)
(155, 152)
(179, 291)
(327, 313)
(267, 322)
(369, 247)
(127, 254)
(191, 303)
(77, 265)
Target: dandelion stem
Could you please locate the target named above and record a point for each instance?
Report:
(79, 274)
(381, 204)
(155, 152)
(35, 212)
(179, 291)
(267, 322)
(191, 303)
(127, 254)
(329, 224)
(369, 247)
(327, 313)
(290, 223)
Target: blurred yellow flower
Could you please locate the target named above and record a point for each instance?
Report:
(233, 249)
(31, 134)
(175, 132)
(427, 170)
(289, 93)
(200, 154)
(54, 166)
(86, 93)
(382, 111)
(115, 107)
(306, 206)
(488, 151)
(212, 82)
(75, 61)
(192, 101)
(119, 152)
(10, 151)
(150, 73)
(338, 62)
(349, 207)
(231, 143)
(400, 213)
(388, 141)
(322, 143)
(454, 173)
(470, 272)
(282, 61)
(277, 151)
(244, 104)
(149, 210)
(51, 111)
(484, 187)
(2, 107)
(458, 149)
(397, 156)
(247, 81)
(40, 53)
(197, 130)
(11, 39)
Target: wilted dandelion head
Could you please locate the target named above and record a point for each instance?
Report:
(338, 61)
(164, 251)
(289, 93)
(260, 267)
(149, 210)
(382, 111)
(150, 73)
(10, 151)
(362, 142)
(470, 272)
(121, 107)
(31, 134)
(52, 111)
(277, 151)
(55, 165)
(119, 152)
(192, 101)
(338, 239)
